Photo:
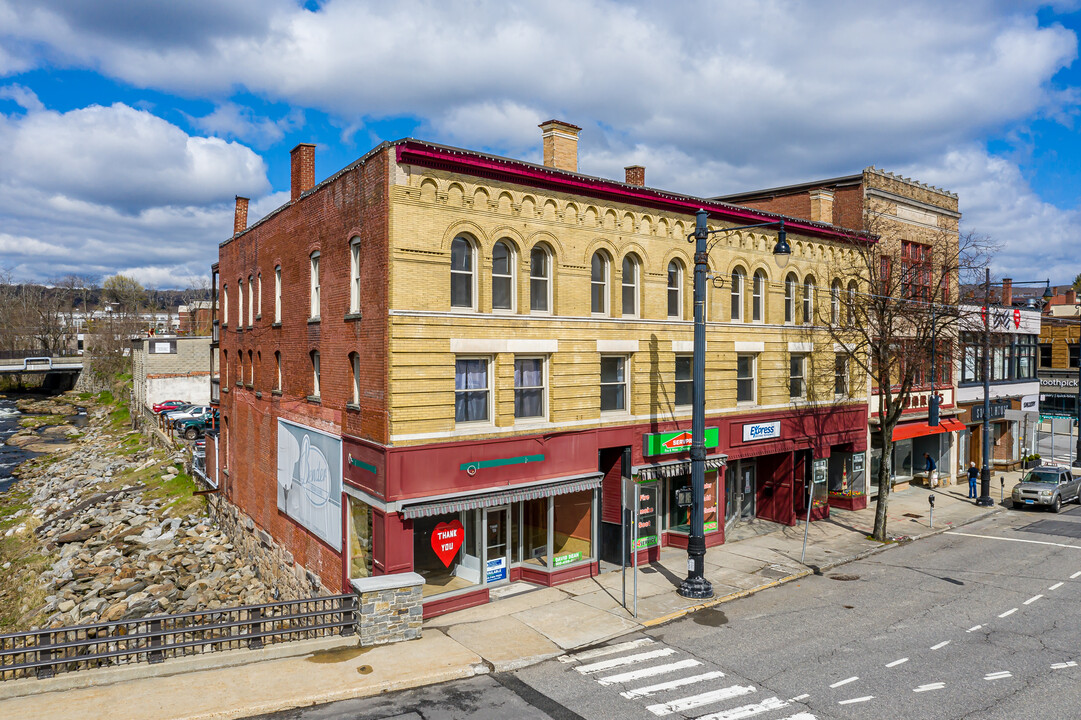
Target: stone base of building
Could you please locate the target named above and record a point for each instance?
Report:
(272, 563)
(390, 608)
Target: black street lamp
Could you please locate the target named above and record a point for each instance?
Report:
(984, 500)
(696, 585)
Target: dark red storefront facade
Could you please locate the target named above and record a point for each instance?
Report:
(493, 493)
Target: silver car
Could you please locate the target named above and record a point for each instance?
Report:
(1047, 485)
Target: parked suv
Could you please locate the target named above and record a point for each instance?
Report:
(1047, 485)
(192, 428)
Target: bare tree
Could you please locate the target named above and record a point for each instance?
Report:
(892, 305)
(109, 334)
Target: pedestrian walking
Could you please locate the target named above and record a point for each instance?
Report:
(973, 475)
(932, 470)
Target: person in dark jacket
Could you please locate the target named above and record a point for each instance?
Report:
(973, 476)
(932, 470)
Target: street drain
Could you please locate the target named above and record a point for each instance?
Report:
(912, 515)
(848, 607)
(843, 577)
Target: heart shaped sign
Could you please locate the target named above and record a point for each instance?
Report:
(447, 539)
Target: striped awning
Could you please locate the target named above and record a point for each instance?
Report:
(504, 497)
(675, 469)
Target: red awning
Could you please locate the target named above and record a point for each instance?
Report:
(951, 424)
(904, 431)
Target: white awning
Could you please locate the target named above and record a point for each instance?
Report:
(503, 497)
(675, 468)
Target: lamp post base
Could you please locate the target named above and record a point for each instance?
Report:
(696, 587)
(985, 501)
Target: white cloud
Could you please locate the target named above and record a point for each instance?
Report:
(230, 120)
(124, 158)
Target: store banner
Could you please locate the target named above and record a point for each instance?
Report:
(676, 442)
(310, 480)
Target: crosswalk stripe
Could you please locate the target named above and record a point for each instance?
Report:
(1032, 599)
(1064, 665)
(1076, 575)
(941, 645)
(1056, 586)
(606, 650)
(895, 663)
(1001, 675)
(929, 686)
(865, 698)
(839, 683)
(746, 711)
(671, 685)
(625, 660)
(689, 703)
(648, 672)
(801, 716)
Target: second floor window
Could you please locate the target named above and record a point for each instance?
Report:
(630, 286)
(737, 295)
(745, 383)
(528, 387)
(239, 303)
(808, 301)
(278, 294)
(613, 383)
(471, 390)
(790, 299)
(251, 301)
(354, 276)
(502, 277)
(1045, 355)
(916, 271)
(840, 375)
(797, 376)
(758, 298)
(684, 379)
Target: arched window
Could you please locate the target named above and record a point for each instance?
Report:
(462, 262)
(737, 294)
(251, 301)
(239, 302)
(598, 284)
(259, 295)
(790, 299)
(315, 373)
(278, 368)
(808, 300)
(540, 281)
(251, 370)
(835, 303)
(354, 276)
(630, 286)
(675, 290)
(224, 304)
(277, 293)
(314, 291)
(850, 305)
(758, 297)
(354, 365)
(502, 276)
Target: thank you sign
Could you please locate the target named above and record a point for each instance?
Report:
(761, 431)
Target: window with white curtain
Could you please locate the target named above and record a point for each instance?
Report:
(529, 388)
(472, 391)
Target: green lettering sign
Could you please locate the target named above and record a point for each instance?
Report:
(676, 442)
(561, 560)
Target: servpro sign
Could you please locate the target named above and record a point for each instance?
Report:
(676, 442)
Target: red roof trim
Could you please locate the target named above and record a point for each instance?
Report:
(413, 152)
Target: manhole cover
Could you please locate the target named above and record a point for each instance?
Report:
(843, 577)
(912, 515)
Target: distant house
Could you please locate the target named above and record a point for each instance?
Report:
(170, 367)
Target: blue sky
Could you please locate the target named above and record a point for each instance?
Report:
(128, 126)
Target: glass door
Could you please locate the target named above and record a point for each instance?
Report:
(496, 545)
(731, 493)
(747, 491)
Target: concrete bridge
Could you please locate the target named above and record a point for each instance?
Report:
(49, 373)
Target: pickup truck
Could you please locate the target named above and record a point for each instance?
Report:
(1047, 486)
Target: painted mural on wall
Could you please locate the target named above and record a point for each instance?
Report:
(310, 480)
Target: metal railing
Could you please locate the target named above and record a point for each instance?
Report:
(42, 653)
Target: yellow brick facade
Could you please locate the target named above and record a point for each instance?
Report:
(429, 208)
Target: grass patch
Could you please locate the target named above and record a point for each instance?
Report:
(119, 418)
(38, 421)
(85, 396)
(21, 593)
(176, 494)
(105, 397)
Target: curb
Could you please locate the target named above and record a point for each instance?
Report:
(820, 569)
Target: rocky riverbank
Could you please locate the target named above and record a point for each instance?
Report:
(106, 528)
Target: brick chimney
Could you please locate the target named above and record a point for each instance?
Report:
(822, 206)
(560, 145)
(636, 175)
(301, 169)
(1007, 292)
(240, 216)
(1071, 297)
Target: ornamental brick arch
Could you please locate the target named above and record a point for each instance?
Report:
(428, 190)
(529, 207)
(628, 224)
(663, 228)
(455, 195)
(549, 211)
(599, 243)
(547, 238)
(480, 198)
(609, 219)
(571, 213)
(590, 216)
(645, 225)
(504, 203)
(465, 227)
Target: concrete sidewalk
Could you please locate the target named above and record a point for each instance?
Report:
(527, 626)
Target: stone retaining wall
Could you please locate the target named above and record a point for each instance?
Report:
(390, 608)
(273, 564)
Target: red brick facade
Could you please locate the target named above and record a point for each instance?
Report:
(351, 205)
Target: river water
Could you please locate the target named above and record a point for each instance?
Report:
(9, 456)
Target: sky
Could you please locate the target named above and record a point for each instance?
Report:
(128, 126)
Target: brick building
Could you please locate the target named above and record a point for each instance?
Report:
(1060, 354)
(442, 361)
(170, 367)
(915, 223)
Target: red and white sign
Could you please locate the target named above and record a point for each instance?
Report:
(683, 440)
(447, 540)
(1016, 318)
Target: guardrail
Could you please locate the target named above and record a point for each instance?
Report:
(42, 653)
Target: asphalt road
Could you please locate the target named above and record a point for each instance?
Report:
(977, 623)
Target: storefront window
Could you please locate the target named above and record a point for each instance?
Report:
(535, 532)
(679, 518)
(572, 533)
(360, 539)
(902, 458)
(445, 551)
